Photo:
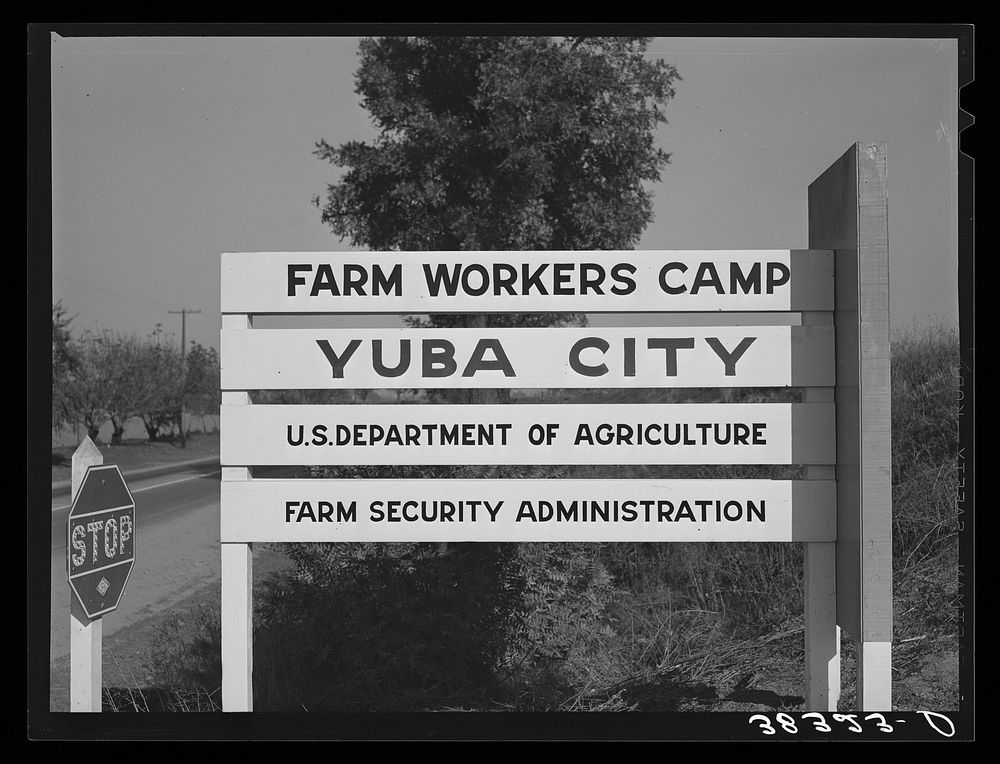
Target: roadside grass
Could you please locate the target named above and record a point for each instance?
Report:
(597, 627)
(182, 667)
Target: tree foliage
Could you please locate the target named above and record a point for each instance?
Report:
(163, 367)
(497, 143)
(81, 389)
(64, 363)
(117, 364)
(201, 380)
(107, 376)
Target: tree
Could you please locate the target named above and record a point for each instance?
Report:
(64, 364)
(106, 380)
(502, 143)
(201, 380)
(162, 385)
(84, 397)
(118, 360)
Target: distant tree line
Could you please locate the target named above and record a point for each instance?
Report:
(107, 376)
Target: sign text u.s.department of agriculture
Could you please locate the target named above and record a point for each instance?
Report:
(565, 433)
(427, 282)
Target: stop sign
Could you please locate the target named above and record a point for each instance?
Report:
(101, 540)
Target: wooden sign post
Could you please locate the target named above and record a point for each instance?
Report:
(817, 351)
(100, 555)
(848, 214)
(85, 633)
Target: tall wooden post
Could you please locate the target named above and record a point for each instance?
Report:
(237, 584)
(848, 213)
(822, 635)
(85, 635)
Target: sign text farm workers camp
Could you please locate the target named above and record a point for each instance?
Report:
(634, 281)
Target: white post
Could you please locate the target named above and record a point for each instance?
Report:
(822, 635)
(848, 213)
(874, 676)
(237, 627)
(822, 632)
(85, 635)
(237, 585)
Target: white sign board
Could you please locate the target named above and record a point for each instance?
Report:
(459, 510)
(528, 510)
(696, 433)
(742, 356)
(504, 282)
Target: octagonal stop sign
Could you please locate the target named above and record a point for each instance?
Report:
(101, 540)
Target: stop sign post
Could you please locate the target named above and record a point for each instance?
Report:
(99, 558)
(101, 540)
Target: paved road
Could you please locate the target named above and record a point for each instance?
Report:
(177, 553)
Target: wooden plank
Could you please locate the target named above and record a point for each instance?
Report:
(86, 635)
(847, 213)
(648, 510)
(696, 433)
(744, 356)
(237, 580)
(499, 282)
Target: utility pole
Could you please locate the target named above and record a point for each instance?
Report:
(184, 314)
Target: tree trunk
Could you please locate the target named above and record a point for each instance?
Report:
(93, 427)
(152, 430)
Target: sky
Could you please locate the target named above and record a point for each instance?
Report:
(168, 151)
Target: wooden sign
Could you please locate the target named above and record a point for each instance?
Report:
(697, 433)
(836, 351)
(521, 282)
(528, 510)
(743, 356)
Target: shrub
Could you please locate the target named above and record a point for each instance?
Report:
(924, 444)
